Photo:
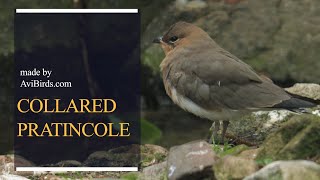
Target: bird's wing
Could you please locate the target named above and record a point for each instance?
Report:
(221, 81)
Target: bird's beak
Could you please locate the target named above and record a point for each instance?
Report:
(157, 40)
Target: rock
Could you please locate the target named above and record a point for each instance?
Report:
(232, 167)
(311, 91)
(51, 177)
(118, 157)
(2, 160)
(191, 160)
(8, 168)
(232, 1)
(21, 161)
(128, 156)
(255, 127)
(2, 164)
(274, 117)
(7, 163)
(108, 159)
(157, 171)
(297, 139)
(316, 112)
(69, 163)
(12, 177)
(268, 35)
(249, 154)
(288, 170)
(152, 154)
(187, 5)
(125, 149)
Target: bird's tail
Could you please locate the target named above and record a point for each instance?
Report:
(298, 103)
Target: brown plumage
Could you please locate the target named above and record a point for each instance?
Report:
(208, 81)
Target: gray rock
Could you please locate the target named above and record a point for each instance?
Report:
(232, 167)
(69, 163)
(108, 159)
(193, 160)
(7, 165)
(2, 159)
(288, 170)
(2, 163)
(21, 161)
(8, 168)
(128, 156)
(186, 5)
(156, 171)
(12, 177)
(311, 91)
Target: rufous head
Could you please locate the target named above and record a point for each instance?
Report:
(180, 34)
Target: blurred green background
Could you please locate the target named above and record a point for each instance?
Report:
(278, 38)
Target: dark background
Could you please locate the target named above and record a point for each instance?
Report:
(112, 45)
(278, 38)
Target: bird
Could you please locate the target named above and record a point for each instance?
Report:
(208, 81)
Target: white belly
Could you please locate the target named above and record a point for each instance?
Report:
(190, 106)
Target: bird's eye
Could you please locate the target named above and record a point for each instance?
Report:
(173, 39)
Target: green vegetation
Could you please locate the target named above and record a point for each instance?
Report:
(150, 134)
(152, 57)
(130, 176)
(264, 162)
(221, 149)
(234, 150)
(73, 175)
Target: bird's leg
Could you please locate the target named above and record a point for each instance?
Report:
(210, 133)
(224, 130)
(214, 129)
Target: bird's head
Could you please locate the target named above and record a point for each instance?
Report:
(180, 34)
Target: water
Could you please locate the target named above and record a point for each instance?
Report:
(177, 126)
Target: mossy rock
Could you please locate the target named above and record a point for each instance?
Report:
(288, 170)
(110, 159)
(235, 150)
(297, 139)
(232, 167)
(152, 154)
(255, 127)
